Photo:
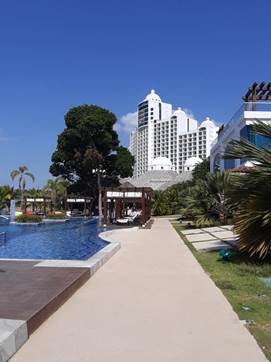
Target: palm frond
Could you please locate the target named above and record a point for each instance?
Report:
(262, 128)
(30, 175)
(14, 174)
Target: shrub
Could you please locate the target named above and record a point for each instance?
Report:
(56, 215)
(28, 218)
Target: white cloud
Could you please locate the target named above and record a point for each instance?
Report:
(127, 122)
(189, 113)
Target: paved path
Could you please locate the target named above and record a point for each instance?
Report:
(151, 302)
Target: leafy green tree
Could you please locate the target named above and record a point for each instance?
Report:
(121, 163)
(89, 147)
(252, 194)
(22, 173)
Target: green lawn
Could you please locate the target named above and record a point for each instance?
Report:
(239, 281)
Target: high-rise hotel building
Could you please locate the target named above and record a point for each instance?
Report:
(164, 134)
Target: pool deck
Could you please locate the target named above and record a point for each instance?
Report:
(32, 294)
(152, 302)
(32, 290)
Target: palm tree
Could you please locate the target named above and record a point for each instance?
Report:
(22, 173)
(208, 200)
(252, 194)
(57, 190)
(34, 192)
(159, 204)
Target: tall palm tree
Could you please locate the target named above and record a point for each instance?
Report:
(22, 172)
(252, 194)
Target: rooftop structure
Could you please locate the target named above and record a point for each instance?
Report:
(159, 179)
(161, 163)
(191, 163)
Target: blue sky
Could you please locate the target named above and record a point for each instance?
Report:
(56, 54)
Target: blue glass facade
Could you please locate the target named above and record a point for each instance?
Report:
(229, 164)
(258, 140)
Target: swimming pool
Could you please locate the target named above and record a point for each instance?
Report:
(76, 239)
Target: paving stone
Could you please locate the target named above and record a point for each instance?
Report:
(192, 231)
(231, 241)
(210, 245)
(223, 234)
(227, 227)
(200, 237)
(213, 229)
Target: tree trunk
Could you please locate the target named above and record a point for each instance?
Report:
(22, 200)
(99, 199)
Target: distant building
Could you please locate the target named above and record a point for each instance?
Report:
(256, 106)
(164, 133)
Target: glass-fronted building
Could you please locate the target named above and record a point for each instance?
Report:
(240, 126)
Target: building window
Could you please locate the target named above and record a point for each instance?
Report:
(217, 163)
(258, 140)
(160, 111)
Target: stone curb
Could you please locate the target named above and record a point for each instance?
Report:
(13, 334)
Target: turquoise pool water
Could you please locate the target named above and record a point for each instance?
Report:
(76, 239)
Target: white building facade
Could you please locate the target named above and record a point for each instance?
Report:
(164, 133)
(257, 106)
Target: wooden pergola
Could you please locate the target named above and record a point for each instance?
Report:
(71, 201)
(115, 202)
(38, 204)
(258, 92)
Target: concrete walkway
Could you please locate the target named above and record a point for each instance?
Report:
(152, 302)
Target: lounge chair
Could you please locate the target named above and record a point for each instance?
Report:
(129, 219)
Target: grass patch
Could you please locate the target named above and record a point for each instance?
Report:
(239, 281)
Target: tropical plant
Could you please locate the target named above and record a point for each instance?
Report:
(201, 169)
(208, 200)
(6, 194)
(159, 204)
(34, 192)
(252, 193)
(22, 172)
(57, 191)
(28, 218)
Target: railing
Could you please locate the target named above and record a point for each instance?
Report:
(257, 106)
